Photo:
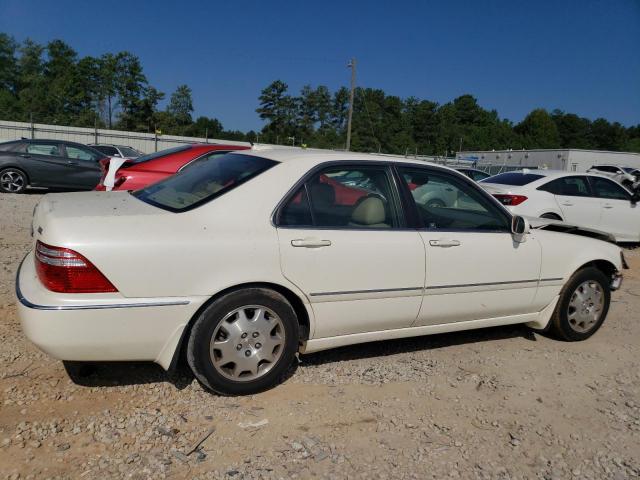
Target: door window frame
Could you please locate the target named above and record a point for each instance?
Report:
(498, 208)
(398, 202)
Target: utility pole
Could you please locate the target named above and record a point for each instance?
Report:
(352, 66)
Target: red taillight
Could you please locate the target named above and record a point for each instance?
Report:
(65, 271)
(511, 200)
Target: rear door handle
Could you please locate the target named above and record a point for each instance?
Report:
(607, 206)
(310, 243)
(71, 162)
(567, 204)
(444, 243)
(25, 155)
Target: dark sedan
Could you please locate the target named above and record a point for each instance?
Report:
(48, 163)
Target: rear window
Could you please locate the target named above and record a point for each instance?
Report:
(129, 152)
(513, 178)
(161, 153)
(203, 181)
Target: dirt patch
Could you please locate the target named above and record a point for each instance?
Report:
(494, 403)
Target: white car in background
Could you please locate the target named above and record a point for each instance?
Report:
(244, 260)
(582, 199)
(620, 174)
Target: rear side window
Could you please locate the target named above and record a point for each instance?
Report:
(568, 186)
(111, 151)
(351, 197)
(161, 153)
(513, 178)
(49, 149)
(203, 182)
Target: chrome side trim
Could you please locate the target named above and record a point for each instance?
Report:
(35, 306)
(355, 292)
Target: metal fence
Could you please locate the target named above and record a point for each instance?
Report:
(145, 142)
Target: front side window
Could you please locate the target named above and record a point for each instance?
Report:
(195, 186)
(604, 188)
(351, 197)
(568, 186)
(80, 153)
(49, 149)
(446, 203)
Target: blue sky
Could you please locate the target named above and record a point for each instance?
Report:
(581, 56)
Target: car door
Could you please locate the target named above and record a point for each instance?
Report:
(346, 246)
(619, 215)
(45, 163)
(83, 169)
(574, 198)
(474, 267)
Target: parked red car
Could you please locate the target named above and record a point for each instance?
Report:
(142, 171)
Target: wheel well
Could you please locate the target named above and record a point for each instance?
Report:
(551, 215)
(292, 298)
(604, 266)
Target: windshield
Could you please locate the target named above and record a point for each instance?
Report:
(161, 153)
(204, 181)
(129, 152)
(513, 178)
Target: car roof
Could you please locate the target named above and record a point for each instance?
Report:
(548, 174)
(317, 156)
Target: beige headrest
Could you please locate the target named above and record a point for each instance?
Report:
(369, 211)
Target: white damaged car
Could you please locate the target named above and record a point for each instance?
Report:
(243, 261)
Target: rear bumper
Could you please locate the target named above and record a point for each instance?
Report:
(100, 327)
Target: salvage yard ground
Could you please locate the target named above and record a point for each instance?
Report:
(495, 403)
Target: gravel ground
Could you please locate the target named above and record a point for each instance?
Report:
(495, 403)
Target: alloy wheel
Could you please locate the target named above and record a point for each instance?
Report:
(12, 181)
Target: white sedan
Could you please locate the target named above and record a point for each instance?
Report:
(587, 200)
(241, 262)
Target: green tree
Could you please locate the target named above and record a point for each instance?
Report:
(181, 105)
(538, 130)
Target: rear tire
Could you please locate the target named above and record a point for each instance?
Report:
(244, 342)
(13, 180)
(583, 305)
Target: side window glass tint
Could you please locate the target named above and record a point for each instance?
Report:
(79, 154)
(608, 189)
(574, 187)
(445, 203)
(51, 149)
(352, 197)
(296, 212)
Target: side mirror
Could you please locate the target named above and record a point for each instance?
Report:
(519, 227)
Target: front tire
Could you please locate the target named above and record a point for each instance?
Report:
(244, 342)
(583, 305)
(13, 180)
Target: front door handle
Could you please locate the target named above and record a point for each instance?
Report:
(71, 162)
(444, 243)
(607, 206)
(567, 204)
(310, 243)
(25, 155)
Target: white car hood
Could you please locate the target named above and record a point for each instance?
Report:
(537, 223)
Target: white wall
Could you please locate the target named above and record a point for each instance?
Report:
(560, 159)
(145, 142)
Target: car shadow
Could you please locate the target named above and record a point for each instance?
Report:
(117, 374)
(414, 344)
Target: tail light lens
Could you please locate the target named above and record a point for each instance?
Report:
(511, 200)
(66, 271)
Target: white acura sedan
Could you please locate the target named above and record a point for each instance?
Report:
(587, 200)
(244, 260)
